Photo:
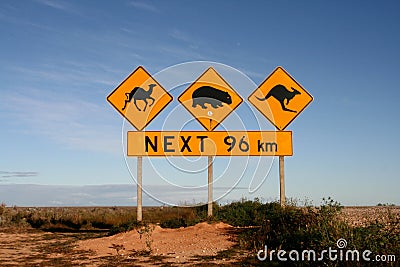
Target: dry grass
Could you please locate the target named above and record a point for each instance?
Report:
(362, 216)
(48, 236)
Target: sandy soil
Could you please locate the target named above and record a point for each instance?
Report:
(30, 247)
(183, 245)
(203, 245)
(200, 245)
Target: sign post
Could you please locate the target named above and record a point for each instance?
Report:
(139, 99)
(210, 187)
(280, 98)
(282, 196)
(139, 188)
(210, 144)
(210, 99)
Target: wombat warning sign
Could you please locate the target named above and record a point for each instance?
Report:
(210, 95)
(210, 99)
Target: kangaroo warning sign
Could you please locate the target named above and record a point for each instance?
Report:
(280, 98)
(210, 99)
(139, 98)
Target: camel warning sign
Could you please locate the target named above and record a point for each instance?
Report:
(139, 98)
(280, 98)
(210, 99)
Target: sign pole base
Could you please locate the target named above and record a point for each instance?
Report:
(282, 180)
(139, 188)
(210, 186)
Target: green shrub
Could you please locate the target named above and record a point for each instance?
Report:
(174, 223)
(2, 208)
(124, 227)
(242, 213)
(308, 228)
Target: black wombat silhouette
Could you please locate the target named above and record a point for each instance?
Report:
(280, 93)
(210, 95)
(138, 93)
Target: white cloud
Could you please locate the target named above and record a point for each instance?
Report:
(7, 174)
(93, 195)
(59, 5)
(73, 76)
(144, 6)
(7, 17)
(77, 124)
(7, 177)
(53, 4)
(255, 74)
(181, 36)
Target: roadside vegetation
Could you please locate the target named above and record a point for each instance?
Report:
(258, 224)
(311, 228)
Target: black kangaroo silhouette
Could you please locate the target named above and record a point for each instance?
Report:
(280, 93)
(138, 93)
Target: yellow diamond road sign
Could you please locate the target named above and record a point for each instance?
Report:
(139, 98)
(210, 99)
(280, 98)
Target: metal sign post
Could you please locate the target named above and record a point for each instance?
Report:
(148, 98)
(282, 180)
(139, 188)
(210, 186)
(280, 98)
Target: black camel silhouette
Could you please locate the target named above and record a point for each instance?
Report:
(138, 93)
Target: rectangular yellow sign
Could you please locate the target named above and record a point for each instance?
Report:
(201, 143)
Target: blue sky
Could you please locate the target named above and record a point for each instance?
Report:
(60, 59)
